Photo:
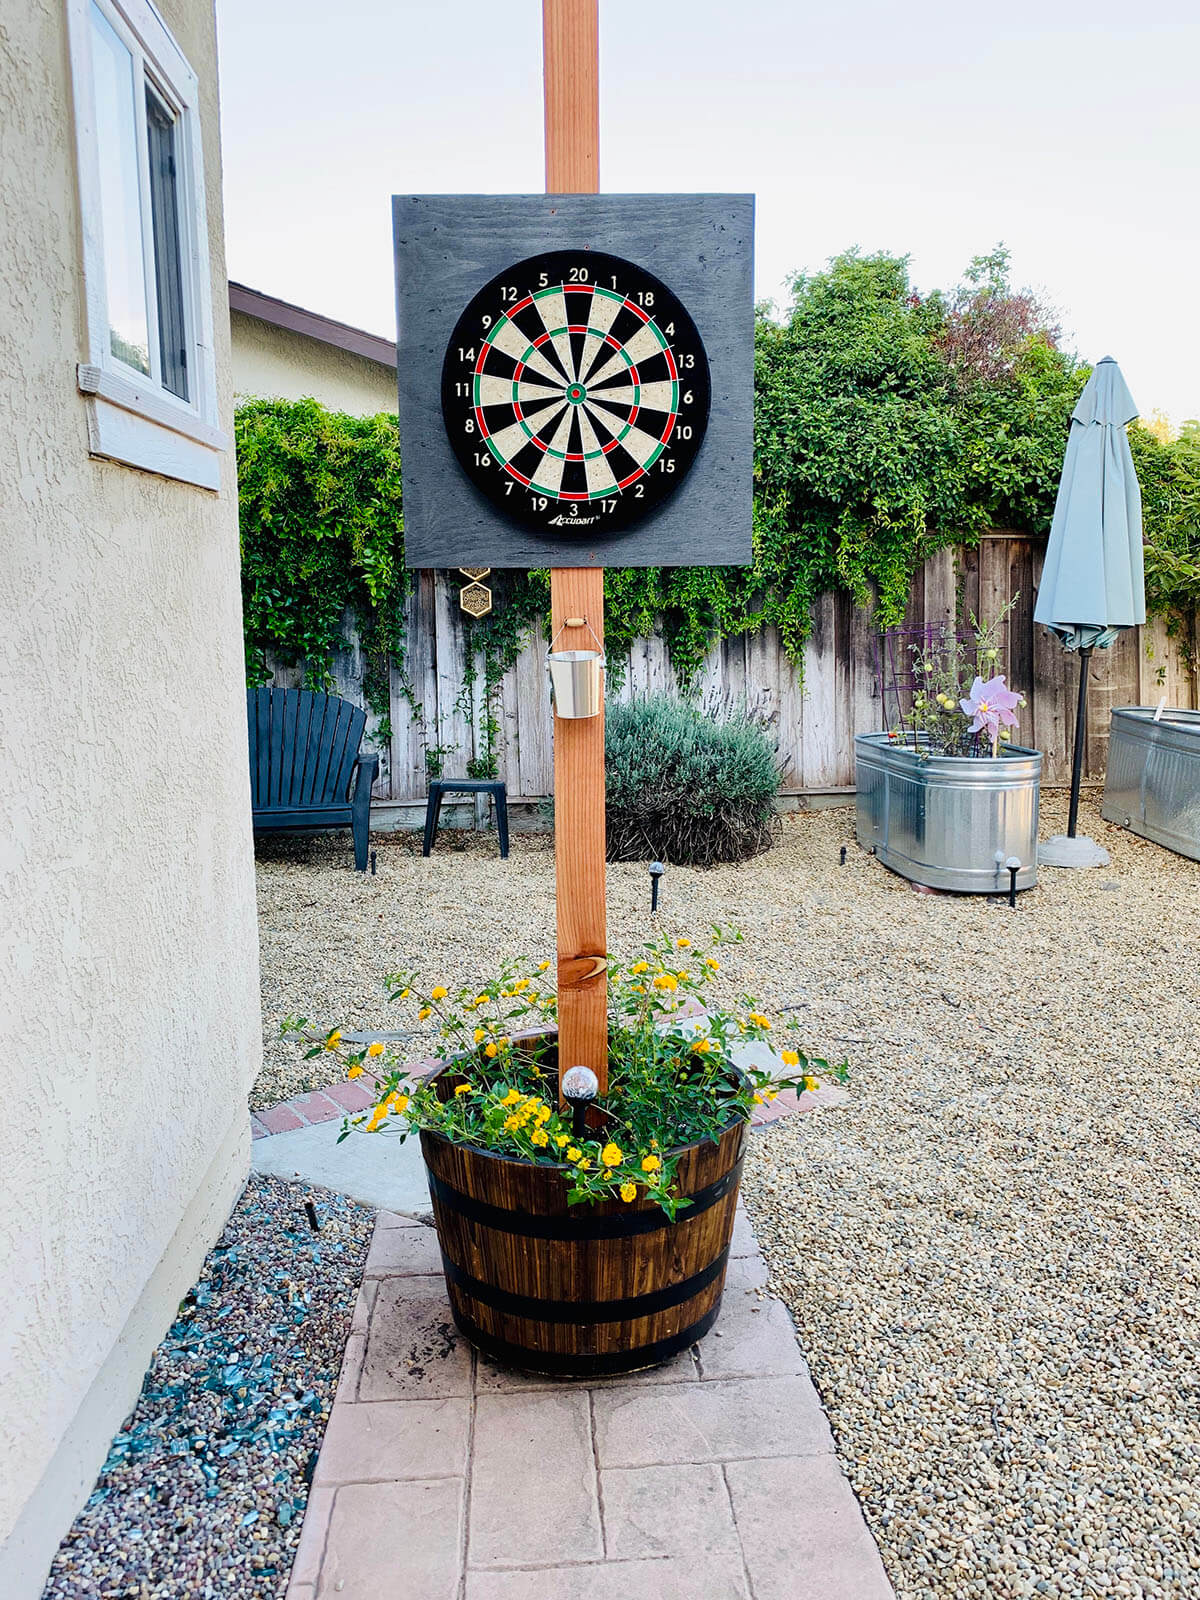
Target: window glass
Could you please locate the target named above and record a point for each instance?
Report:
(120, 203)
(168, 270)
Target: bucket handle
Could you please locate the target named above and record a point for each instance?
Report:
(575, 622)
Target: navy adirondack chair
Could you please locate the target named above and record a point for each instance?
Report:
(305, 767)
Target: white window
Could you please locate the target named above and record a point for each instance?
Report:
(149, 376)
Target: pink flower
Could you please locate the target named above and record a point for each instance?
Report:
(992, 705)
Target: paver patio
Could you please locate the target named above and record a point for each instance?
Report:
(444, 1477)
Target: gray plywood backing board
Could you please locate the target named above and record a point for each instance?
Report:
(701, 246)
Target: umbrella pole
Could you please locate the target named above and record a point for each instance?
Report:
(1085, 656)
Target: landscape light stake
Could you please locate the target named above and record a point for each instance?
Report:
(656, 871)
(314, 1221)
(580, 1086)
(1014, 866)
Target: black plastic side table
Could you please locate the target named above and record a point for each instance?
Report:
(440, 787)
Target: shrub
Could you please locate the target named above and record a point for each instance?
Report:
(684, 787)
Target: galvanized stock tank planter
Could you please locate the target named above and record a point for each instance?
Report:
(1153, 781)
(949, 822)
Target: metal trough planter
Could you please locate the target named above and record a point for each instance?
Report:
(1153, 781)
(950, 822)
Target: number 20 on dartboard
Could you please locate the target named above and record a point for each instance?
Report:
(575, 392)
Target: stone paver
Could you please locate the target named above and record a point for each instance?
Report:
(533, 1480)
(623, 1580)
(394, 1541)
(413, 1349)
(444, 1477)
(726, 1420)
(803, 1532)
(653, 1512)
(382, 1440)
(403, 1252)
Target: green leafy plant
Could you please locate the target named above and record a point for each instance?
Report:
(672, 1081)
(319, 505)
(685, 787)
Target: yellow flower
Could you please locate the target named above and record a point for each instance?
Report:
(812, 1083)
(375, 1048)
(491, 1049)
(790, 1058)
(334, 1039)
(611, 1155)
(540, 1136)
(584, 1166)
(772, 1094)
(422, 1014)
(355, 1072)
(683, 976)
(439, 993)
(396, 1102)
(404, 993)
(377, 1116)
(639, 967)
(542, 965)
(481, 999)
(628, 1191)
(511, 1098)
(666, 981)
(759, 1020)
(682, 944)
(574, 1153)
(650, 1163)
(639, 988)
(713, 966)
(758, 1100)
(463, 1088)
(480, 1036)
(520, 988)
(701, 1046)
(560, 1139)
(504, 1039)
(511, 1124)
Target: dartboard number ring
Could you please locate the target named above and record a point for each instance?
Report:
(575, 392)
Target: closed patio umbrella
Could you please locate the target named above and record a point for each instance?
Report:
(1092, 584)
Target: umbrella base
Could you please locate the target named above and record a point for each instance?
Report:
(1062, 851)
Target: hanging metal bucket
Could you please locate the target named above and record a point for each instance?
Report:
(576, 680)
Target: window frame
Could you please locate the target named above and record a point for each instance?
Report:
(131, 417)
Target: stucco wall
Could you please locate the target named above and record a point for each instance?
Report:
(128, 954)
(273, 361)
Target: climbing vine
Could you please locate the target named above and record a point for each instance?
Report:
(888, 424)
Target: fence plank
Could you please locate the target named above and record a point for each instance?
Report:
(819, 763)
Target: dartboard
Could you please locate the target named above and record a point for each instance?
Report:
(575, 392)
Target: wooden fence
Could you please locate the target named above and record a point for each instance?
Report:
(436, 724)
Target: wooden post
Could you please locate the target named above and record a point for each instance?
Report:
(571, 74)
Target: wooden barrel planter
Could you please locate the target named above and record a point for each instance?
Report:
(585, 1290)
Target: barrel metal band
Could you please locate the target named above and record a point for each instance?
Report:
(568, 1364)
(637, 1305)
(530, 1226)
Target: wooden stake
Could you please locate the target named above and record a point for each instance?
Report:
(571, 74)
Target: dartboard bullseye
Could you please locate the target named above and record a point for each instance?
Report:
(575, 392)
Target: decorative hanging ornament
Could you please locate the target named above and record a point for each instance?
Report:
(475, 598)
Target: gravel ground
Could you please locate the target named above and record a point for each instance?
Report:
(992, 1252)
(204, 1490)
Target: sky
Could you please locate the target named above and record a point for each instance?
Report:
(1067, 131)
